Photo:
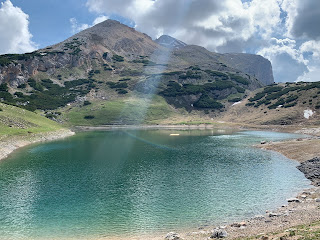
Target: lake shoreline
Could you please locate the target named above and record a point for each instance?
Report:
(12, 143)
(305, 210)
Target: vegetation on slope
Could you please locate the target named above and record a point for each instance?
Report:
(133, 110)
(17, 121)
(287, 96)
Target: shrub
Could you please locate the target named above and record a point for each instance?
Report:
(235, 99)
(22, 86)
(118, 58)
(290, 105)
(117, 85)
(122, 91)
(86, 103)
(190, 74)
(50, 115)
(217, 74)
(291, 98)
(75, 83)
(206, 102)
(3, 87)
(124, 79)
(89, 117)
(35, 85)
(173, 89)
(258, 96)
(195, 68)
(19, 94)
(239, 79)
(4, 61)
(272, 89)
(240, 89)
(1, 110)
(6, 96)
(250, 104)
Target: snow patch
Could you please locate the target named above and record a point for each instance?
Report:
(236, 103)
(308, 113)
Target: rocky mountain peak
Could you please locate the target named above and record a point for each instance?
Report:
(112, 37)
(170, 42)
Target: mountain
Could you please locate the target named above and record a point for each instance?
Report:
(251, 64)
(112, 64)
(170, 42)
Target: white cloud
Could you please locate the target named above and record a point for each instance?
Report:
(76, 27)
(14, 30)
(100, 19)
(312, 47)
(209, 23)
(269, 28)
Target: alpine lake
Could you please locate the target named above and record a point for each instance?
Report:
(120, 183)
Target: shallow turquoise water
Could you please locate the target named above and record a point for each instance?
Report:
(114, 183)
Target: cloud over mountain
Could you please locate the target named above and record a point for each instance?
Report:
(255, 26)
(15, 36)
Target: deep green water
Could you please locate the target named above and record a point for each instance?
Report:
(102, 184)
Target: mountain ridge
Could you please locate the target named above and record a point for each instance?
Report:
(109, 37)
(112, 63)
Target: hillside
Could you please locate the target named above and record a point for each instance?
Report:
(113, 74)
(279, 104)
(112, 63)
(17, 121)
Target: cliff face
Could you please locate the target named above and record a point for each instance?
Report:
(253, 65)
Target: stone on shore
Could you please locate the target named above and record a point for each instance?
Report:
(294, 200)
(173, 236)
(219, 233)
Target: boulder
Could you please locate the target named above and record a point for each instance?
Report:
(273, 214)
(294, 200)
(173, 236)
(219, 233)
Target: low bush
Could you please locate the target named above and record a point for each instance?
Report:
(122, 91)
(86, 103)
(235, 99)
(239, 79)
(117, 58)
(88, 117)
(207, 102)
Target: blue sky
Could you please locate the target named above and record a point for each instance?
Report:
(284, 31)
(49, 20)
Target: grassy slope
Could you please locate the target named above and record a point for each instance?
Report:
(17, 121)
(131, 110)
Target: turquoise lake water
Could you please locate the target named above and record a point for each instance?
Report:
(133, 183)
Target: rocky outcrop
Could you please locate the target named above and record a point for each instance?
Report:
(311, 170)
